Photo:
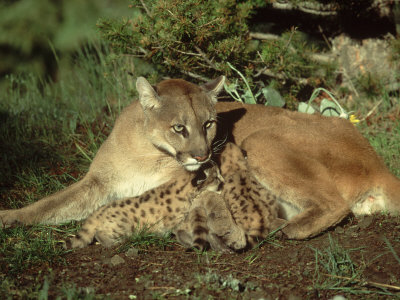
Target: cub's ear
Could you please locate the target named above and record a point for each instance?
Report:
(214, 86)
(148, 97)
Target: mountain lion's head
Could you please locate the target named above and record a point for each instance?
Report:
(180, 118)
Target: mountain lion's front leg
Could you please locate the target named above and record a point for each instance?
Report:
(170, 129)
(75, 202)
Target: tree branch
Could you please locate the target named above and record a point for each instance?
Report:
(264, 36)
(308, 7)
(205, 58)
(196, 76)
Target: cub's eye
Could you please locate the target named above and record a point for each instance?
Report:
(208, 124)
(178, 128)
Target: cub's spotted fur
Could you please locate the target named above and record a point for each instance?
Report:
(209, 223)
(162, 208)
(254, 208)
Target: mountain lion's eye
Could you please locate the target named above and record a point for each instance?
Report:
(178, 128)
(208, 124)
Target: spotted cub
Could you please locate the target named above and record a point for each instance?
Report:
(254, 208)
(209, 224)
(163, 209)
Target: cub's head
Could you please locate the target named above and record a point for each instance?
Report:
(232, 159)
(180, 118)
(209, 178)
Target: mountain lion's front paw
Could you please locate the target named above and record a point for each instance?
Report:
(8, 218)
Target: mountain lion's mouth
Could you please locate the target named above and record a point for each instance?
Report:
(192, 167)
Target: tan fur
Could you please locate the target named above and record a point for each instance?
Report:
(320, 168)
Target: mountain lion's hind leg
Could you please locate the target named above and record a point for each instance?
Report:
(301, 183)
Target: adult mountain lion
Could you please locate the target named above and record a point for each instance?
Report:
(321, 168)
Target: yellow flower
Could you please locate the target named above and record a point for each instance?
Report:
(353, 119)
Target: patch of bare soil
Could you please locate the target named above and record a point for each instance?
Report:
(283, 270)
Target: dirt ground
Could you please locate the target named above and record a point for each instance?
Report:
(281, 269)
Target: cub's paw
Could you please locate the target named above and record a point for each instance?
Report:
(277, 228)
(217, 244)
(76, 241)
(235, 238)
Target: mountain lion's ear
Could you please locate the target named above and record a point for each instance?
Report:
(214, 86)
(148, 97)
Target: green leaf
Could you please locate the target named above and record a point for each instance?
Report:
(306, 108)
(273, 97)
(248, 97)
(329, 108)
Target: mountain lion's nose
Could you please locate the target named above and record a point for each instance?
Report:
(201, 158)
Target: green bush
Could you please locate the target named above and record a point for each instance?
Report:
(204, 39)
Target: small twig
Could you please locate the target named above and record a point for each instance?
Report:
(196, 76)
(204, 56)
(288, 42)
(269, 73)
(264, 36)
(307, 7)
(146, 9)
(324, 37)
(321, 58)
(344, 72)
(376, 284)
(183, 52)
(161, 288)
(372, 110)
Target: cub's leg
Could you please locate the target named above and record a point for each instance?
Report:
(194, 232)
(220, 221)
(305, 187)
(86, 234)
(116, 220)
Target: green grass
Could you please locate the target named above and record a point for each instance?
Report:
(144, 238)
(50, 132)
(39, 289)
(335, 263)
(336, 271)
(22, 247)
(382, 127)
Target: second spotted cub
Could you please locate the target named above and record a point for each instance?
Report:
(254, 208)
